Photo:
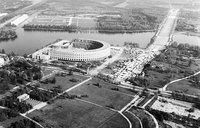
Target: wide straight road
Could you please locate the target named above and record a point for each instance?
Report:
(163, 36)
(162, 39)
(168, 26)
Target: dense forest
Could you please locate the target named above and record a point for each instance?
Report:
(7, 34)
(130, 21)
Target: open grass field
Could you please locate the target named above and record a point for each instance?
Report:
(64, 82)
(183, 86)
(103, 96)
(73, 114)
(156, 78)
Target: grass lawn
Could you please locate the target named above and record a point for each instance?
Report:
(64, 82)
(103, 96)
(72, 114)
(157, 79)
(184, 86)
(109, 86)
(116, 121)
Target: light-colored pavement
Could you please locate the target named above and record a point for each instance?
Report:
(163, 38)
(37, 107)
(129, 104)
(32, 120)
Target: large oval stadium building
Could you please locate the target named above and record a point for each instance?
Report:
(80, 50)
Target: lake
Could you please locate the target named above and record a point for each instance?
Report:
(28, 41)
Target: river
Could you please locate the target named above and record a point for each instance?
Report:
(28, 41)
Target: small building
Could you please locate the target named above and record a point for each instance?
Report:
(1, 15)
(3, 59)
(198, 28)
(2, 62)
(23, 97)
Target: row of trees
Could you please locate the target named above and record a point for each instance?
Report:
(42, 95)
(19, 71)
(24, 123)
(37, 27)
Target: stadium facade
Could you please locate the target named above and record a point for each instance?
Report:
(75, 50)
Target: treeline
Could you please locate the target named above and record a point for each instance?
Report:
(35, 27)
(186, 49)
(42, 95)
(25, 123)
(13, 103)
(7, 34)
(19, 71)
(7, 114)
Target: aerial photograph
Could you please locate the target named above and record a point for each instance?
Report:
(99, 63)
